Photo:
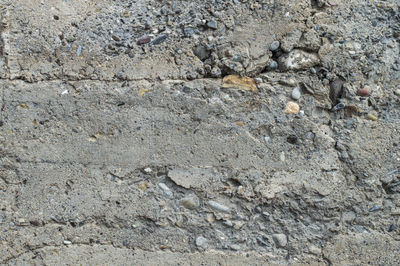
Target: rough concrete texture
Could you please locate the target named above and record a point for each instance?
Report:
(126, 139)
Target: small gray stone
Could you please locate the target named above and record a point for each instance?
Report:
(212, 24)
(280, 239)
(216, 72)
(217, 206)
(188, 32)
(190, 202)
(296, 93)
(201, 241)
(166, 189)
(235, 247)
(201, 52)
(273, 65)
(274, 46)
(158, 40)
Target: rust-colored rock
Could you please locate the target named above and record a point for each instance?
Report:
(240, 83)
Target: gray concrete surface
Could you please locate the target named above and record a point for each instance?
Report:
(125, 138)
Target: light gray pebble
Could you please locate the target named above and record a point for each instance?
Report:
(188, 32)
(296, 93)
(235, 247)
(79, 51)
(166, 189)
(274, 46)
(273, 65)
(190, 202)
(219, 207)
(201, 241)
(258, 80)
(280, 239)
(212, 24)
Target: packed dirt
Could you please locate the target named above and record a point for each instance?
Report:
(152, 132)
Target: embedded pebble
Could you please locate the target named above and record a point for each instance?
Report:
(338, 106)
(190, 202)
(219, 207)
(274, 46)
(394, 171)
(201, 241)
(148, 170)
(392, 228)
(212, 24)
(296, 93)
(375, 208)
(235, 247)
(158, 40)
(79, 51)
(280, 239)
(372, 117)
(143, 40)
(67, 242)
(292, 108)
(282, 156)
(363, 92)
(273, 65)
(166, 189)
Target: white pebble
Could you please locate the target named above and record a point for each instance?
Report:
(166, 189)
(148, 170)
(282, 156)
(217, 206)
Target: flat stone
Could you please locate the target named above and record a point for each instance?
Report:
(201, 52)
(165, 188)
(240, 83)
(274, 46)
(280, 239)
(190, 202)
(212, 24)
(198, 178)
(297, 60)
(201, 241)
(217, 206)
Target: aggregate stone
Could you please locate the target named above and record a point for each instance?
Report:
(274, 46)
(217, 206)
(201, 241)
(296, 93)
(190, 202)
(280, 239)
(212, 24)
